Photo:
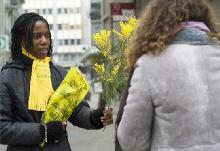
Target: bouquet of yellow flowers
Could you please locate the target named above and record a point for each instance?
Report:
(111, 69)
(68, 95)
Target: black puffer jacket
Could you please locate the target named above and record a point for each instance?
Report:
(19, 127)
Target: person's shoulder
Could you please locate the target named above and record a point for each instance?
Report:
(5, 73)
(9, 69)
(144, 60)
(12, 64)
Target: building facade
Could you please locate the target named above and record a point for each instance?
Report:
(95, 15)
(9, 11)
(70, 27)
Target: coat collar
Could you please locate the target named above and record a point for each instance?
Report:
(193, 36)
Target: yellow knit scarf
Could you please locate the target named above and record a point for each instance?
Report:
(40, 84)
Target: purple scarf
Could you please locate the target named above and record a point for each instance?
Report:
(195, 24)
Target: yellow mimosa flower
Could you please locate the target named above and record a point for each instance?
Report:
(102, 38)
(99, 68)
(120, 35)
(115, 70)
(128, 27)
(112, 69)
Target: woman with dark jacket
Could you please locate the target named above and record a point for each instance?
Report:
(173, 99)
(26, 82)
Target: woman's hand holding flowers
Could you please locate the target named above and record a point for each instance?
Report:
(107, 117)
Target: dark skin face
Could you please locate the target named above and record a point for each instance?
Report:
(41, 40)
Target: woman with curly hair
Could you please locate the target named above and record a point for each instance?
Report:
(173, 98)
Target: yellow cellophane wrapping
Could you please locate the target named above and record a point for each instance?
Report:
(68, 95)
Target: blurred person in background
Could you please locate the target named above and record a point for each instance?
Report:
(173, 101)
(21, 106)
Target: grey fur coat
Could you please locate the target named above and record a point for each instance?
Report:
(174, 98)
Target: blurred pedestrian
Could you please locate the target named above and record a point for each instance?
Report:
(23, 99)
(173, 100)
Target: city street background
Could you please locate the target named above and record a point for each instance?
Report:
(72, 24)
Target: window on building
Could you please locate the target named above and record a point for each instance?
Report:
(44, 11)
(72, 41)
(71, 26)
(50, 11)
(51, 26)
(65, 10)
(59, 26)
(75, 26)
(78, 10)
(66, 42)
(78, 41)
(95, 11)
(59, 10)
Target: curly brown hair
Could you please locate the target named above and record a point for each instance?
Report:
(160, 23)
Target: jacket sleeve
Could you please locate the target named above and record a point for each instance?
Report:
(134, 130)
(85, 117)
(13, 132)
